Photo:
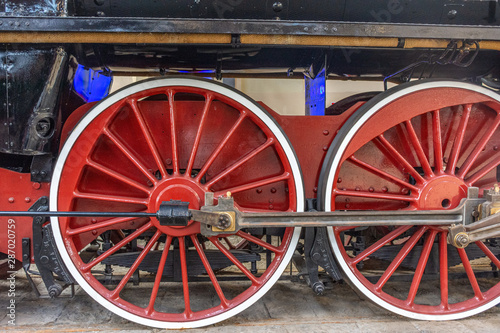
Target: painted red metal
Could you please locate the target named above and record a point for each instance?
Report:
(18, 194)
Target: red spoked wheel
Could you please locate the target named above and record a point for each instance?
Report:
(418, 146)
(174, 139)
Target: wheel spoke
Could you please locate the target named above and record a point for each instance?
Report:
(118, 176)
(134, 159)
(185, 282)
(470, 273)
(260, 242)
(173, 132)
(228, 243)
(375, 195)
(483, 171)
(208, 102)
(148, 138)
(378, 244)
(422, 262)
(110, 198)
(159, 275)
(116, 292)
(249, 186)
(459, 139)
(396, 155)
(383, 174)
(467, 165)
(438, 142)
(443, 268)
(240, 162)
(488, 253)
(117, 246)
(221, 145)
(424, 162)
(234, 260)
(210, 271)
(100, 225)
(402, 254)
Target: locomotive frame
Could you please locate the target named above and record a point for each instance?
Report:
(192, 182)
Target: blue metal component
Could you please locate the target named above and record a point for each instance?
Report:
(92, 85)
(316, 94)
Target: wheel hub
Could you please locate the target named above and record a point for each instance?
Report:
(442, 192)
(177, 189)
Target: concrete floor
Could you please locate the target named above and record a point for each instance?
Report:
(287, 307)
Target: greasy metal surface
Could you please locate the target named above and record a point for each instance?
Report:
(260, 27)
(33, 7)
(29, 102)
(42, 122)
(423, 11)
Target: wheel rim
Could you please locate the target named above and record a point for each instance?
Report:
(146, 150)
(422, 158)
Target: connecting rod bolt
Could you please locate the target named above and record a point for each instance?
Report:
(462, 240)
(224, 222)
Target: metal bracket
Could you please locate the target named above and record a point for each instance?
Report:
(322, 255)
(235, 40)
(45, 254)
(317, 252)
(41, 168)
(488, 226)
(224, 211)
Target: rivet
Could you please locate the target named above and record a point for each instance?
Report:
(495, 148)
(36, 186)
(405, 191)
(326, 132)
(273, 190)
(168, 161)
(347, 206)
(94, 232)
(11, 200)
(385, 189)
(315, 189)
(27, 199)
(371, 189)
(271, 207)
(325, 148)
(93, 221)
(259, 190)
(339, 180)
(357, 188)
(271, 201)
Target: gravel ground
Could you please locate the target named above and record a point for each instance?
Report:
(287, 307)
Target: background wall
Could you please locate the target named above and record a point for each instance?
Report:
(285, 96)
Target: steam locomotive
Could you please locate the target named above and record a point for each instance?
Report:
(178, 201)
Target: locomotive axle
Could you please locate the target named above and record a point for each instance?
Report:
(225, 217)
